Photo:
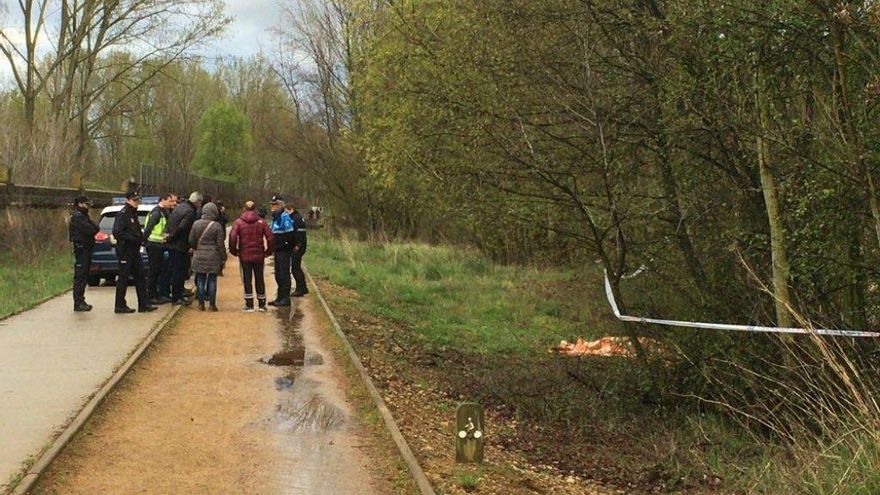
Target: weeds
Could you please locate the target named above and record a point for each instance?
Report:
(468, 480)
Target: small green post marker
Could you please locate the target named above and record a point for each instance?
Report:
(469, 433)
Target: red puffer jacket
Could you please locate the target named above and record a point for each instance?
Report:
(246, 238)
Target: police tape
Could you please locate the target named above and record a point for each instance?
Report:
(728, 326)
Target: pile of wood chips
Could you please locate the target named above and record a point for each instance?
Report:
(606, 346)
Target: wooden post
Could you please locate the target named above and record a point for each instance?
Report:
(470, 433)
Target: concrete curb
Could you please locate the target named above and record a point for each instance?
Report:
(33, 473)
(412, 463)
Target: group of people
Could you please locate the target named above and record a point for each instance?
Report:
(189, 237)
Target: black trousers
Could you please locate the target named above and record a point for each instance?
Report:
(296, 270)
(253, 273)
(159, 279)
(179, 265)
(282, 274)
(131, 265)
(82, 256)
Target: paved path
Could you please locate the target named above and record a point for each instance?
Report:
(52, 361)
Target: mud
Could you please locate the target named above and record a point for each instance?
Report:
(295, 357)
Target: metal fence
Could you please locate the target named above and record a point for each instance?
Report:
(156, 180)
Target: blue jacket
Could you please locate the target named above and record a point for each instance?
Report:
(282, 227)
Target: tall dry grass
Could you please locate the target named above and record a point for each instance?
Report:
(29, 233)
(817, 399)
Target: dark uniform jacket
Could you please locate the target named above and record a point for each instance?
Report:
(179, 224)
(127, 230)
(299, 232)
(83, 229)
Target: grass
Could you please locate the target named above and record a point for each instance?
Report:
(452, 297)
(24, 283)
(468, 480)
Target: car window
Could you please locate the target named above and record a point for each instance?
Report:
(107, 220)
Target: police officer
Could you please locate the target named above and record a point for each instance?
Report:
(82, 234)
(282, 228)
(129, 239)
(159, 280)
(299, 250)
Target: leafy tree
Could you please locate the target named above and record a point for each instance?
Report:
(224, 142)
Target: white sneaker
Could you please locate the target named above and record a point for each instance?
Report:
(261, 309)
(247, 310)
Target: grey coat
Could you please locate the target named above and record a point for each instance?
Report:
(210, 248)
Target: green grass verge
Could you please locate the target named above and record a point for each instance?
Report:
(456, 298)
(24, 283)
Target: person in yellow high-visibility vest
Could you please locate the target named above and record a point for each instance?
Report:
(159, 281)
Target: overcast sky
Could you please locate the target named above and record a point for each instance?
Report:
(246, 35)
(249, 31)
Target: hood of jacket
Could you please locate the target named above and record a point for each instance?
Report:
(210, 212)
(250, 217)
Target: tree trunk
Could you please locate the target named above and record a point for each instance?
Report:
(614, 280)
(778, 252)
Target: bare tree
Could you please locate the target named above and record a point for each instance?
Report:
(68, 55)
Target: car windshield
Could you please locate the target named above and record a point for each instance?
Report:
(106, 224)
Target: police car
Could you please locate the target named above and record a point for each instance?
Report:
(105, 263)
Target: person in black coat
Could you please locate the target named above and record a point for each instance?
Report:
(180, 223)
(129, 239)
(82, 230)
(299, 250)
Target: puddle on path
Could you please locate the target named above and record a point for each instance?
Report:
(295, 357)
(306, 411)
(312, 417)
(302, 407)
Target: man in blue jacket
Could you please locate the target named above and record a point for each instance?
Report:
(282, 228)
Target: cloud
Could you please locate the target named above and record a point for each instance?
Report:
(250, 31)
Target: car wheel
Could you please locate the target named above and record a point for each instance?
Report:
(94, 280)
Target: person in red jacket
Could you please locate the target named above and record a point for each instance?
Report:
(252, 241)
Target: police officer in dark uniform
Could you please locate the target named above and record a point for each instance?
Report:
(129, 239)
(299, 250)
(82, 234)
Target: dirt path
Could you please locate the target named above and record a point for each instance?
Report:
(202, 414)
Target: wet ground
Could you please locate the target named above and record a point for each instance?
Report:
(226, 402)
(313, 418)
